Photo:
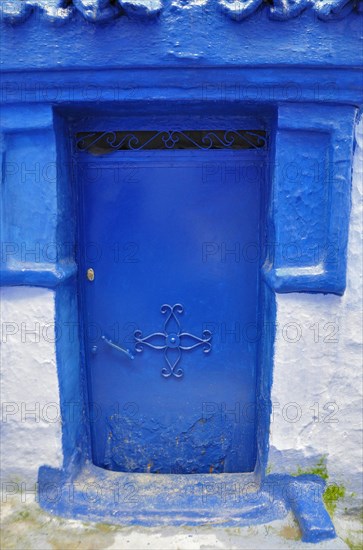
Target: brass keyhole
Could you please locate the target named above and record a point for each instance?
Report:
(90, 274)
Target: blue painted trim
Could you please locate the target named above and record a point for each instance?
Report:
(72, 380)
(310, 512)
(49, 277)
(155, 499)
(310, 202)
(265, 360)
(72, 376)
(196, 36)
(309, 279)
(112, 87)
(15, 118)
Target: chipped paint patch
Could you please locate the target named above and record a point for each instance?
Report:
(145, 445)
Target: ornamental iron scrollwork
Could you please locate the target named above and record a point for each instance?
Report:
(100, 143)
(172, 341)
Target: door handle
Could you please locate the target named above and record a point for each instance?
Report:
(119, 348)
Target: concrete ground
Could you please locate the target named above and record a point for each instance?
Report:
(25, 526)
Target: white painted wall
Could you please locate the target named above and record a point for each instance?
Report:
(30, 427)
(306, 373)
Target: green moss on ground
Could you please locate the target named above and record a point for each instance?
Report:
(354, 545)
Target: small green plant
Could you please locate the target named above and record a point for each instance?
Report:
(319, 469)
(24, 514)
(331, 496)
(333, 492)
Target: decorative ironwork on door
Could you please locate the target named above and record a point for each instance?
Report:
(172, 342)
(100, 143)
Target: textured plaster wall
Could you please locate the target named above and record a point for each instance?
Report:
(30, 427)
(317, 372)
(317, 384)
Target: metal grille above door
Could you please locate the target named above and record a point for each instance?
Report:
(101, 143)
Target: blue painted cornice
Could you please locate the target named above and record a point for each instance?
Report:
(59, 11)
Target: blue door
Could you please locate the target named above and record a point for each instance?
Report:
(169, 278)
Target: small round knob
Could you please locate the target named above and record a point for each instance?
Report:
(172, 340)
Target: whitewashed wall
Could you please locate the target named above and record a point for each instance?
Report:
(30, 427)
(309, 373)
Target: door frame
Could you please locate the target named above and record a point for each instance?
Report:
(195, 488)
(195, 498)
(159, 121)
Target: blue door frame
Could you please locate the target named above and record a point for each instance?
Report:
(146, 498)
(180, 227)
(238, 498)
(232, 498)
(39, 132)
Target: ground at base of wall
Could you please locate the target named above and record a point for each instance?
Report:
(26, 525)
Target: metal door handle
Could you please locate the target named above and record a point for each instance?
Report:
(125, 351)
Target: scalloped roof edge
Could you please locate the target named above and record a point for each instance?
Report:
(60, 11)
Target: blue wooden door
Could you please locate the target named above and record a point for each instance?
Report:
(169, 275)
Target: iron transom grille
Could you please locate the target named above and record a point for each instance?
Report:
(100, 143)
